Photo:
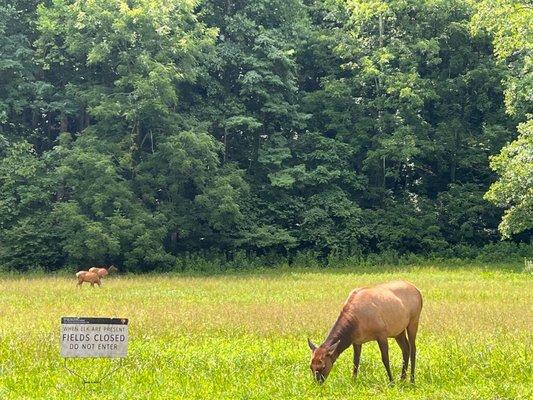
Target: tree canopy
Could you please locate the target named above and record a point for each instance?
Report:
(135, 132)
(509, 22)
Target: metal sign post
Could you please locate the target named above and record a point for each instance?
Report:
(86, 337)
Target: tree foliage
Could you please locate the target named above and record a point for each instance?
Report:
(514, 188)
(509, 22)
(140, 132)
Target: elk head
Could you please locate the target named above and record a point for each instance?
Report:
(322, 359)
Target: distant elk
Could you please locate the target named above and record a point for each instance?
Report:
(372, 313)
(94, 275)
(89, 277)
(101, 271)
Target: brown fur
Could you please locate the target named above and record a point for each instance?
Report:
(372, 313)
(101, 271)
(89, 277)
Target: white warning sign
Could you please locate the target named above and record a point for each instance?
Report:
(94, 337)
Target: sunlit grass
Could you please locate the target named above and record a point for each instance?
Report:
(244, 336)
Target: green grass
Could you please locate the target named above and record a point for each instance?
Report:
(243, 336)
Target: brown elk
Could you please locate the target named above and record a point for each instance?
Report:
(372, 313)
(90, 277)
(101, 271)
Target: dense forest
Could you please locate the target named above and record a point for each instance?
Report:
(138, 132)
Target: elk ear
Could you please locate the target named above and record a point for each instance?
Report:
(333, 347)
(312, 346)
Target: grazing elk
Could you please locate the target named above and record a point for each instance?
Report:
(372, 313)
(90, 277)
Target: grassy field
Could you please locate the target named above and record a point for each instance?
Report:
(243, 336)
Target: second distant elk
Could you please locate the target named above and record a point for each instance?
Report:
(372, 313)
(101, 271)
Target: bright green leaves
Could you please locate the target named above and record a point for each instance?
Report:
(125, 59)
(509, 23)
(362, 10)
(242, 122)
(514, 188)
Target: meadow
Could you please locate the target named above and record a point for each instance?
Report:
(243, 335)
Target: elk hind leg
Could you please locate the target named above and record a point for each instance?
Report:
(402, 341)
(384, 348)
(412, 329)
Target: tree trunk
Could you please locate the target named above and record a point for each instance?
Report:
(63, 125)
(384, 172)
(381, 30)
(174, 243)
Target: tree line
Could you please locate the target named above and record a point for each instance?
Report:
(136, 131)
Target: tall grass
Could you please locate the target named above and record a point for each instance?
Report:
(243, 336)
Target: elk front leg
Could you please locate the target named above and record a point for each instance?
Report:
(356, 358)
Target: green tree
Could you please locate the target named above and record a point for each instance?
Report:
(514, 188)
(99, 218)
(201, 201)
(28, 238)
(137, 132)
(509, 22)
(119, 65)
(253, 82)
(26, 99)
(419, 105)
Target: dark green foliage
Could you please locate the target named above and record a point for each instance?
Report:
(407, 224)
(465, 217)
(28, 235)
(154, 134)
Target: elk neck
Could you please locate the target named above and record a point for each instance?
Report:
(342, 332)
